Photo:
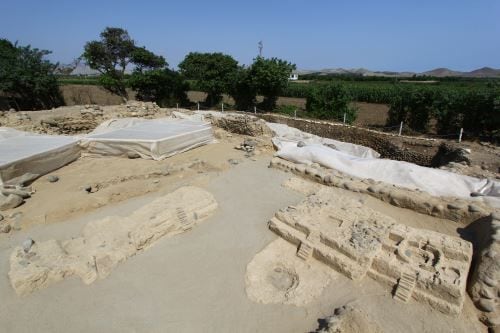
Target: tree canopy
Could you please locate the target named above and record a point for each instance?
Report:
(269, 77)
(26, 77)
(113, 53)
(214, 73)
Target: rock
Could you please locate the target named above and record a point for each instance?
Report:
(250, 143)
(487, 293)
(233, 161)
(1, 217)
(301, 144)
(474, 209)
(5, 227)
(24, 180)
(10, 202)
(493, 321)
(476, 194)
(486, 305)
(87, 188)
(133, 155)
(52, 178)
(27, 244)
(22, 193)
(489, 281)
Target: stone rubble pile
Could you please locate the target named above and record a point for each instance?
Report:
(141, 109)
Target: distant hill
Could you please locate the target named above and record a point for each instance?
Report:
(438, 72)
(442, 72)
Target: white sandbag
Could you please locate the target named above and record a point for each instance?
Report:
(433, 181)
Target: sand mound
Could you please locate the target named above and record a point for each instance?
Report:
(107, 242)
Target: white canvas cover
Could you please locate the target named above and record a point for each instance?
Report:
(285, 133)
(23, 152)
(151, 139)
(433, 181)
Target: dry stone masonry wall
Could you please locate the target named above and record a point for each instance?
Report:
(459, 210)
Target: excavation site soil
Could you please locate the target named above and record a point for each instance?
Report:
(265, 224)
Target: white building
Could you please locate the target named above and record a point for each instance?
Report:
(294, 76)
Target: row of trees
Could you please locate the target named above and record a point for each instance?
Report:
(28, 80)
(214, 73)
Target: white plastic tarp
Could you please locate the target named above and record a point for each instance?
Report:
(285, 133)
(151, 139)
(23, 152)
(433, 181)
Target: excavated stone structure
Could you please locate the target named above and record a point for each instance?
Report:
(356, 241)
(455, 209)
(107, 242)
(484, 285)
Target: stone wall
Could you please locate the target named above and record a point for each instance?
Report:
(425, 152)
(484, 286)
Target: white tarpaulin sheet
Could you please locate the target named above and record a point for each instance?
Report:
(285, 133)
(23, 152)
(151, 139)
(433, 181)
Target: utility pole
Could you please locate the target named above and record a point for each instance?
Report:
(261, 46)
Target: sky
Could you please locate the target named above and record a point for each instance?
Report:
(404, 35)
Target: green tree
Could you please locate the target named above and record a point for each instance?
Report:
(269, 78)
(213, 72)
(27, 78)
(113, 53)
(164, 86)
(242, 90)
(330, 101)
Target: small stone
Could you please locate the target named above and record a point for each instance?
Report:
(233, 161)
(5, 228)
(53, 178)
(493, 321)
(454, 206)
(489, 281)
(250, 143)
(474, 209)
(10, 202)
(133, 155)
(22, 193)
(27, 244)
(486, 293)
(301, 144)
(339, 311)
(87, 188)
(486, 305)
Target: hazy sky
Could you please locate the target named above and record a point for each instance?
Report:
(380, 35)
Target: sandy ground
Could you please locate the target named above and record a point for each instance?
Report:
(195, 281)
